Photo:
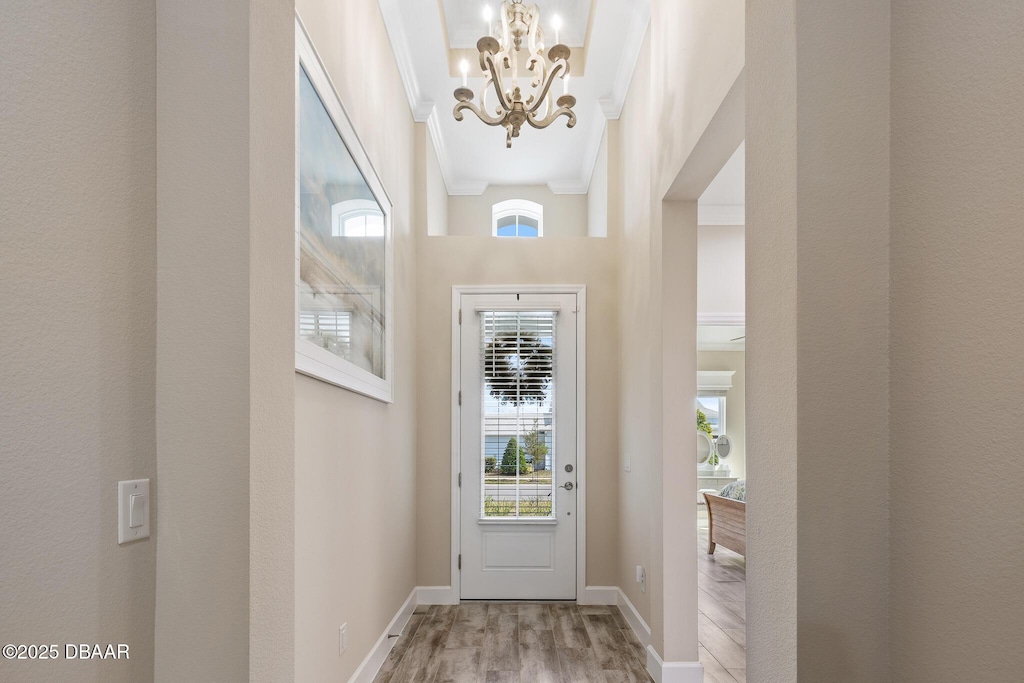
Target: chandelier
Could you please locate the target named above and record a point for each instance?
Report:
(500, 63)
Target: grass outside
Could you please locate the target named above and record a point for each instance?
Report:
(528, 507)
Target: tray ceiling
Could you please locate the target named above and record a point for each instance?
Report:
(429, 36)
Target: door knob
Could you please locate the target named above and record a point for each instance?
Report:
(567, 486)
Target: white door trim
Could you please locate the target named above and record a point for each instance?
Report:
(581, 422)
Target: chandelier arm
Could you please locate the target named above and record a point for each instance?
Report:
(544, 123)
(482, 115)
(538, 66)
(488, 65)
(499, 57)
(542, 93)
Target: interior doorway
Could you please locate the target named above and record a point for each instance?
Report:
(517, 440)
(721, 422)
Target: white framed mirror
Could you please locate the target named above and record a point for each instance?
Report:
(344, 286)
(705, 447)
(723, 446)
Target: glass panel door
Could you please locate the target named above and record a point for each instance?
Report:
(517, 413)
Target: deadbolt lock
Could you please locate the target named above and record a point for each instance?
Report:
(568, 468)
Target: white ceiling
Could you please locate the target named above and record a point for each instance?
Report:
(721, 337)
(473, 155)
(465, 24)
(723, 201)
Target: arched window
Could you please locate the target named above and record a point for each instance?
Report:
(357, 218)
(517, 218)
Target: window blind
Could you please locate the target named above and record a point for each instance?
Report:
(517, 356)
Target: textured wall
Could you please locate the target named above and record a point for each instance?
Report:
(272, 490)
(957, 334)
(771, 351)
(817, 340)
(355, 465)
(842, 346)
(78, 302)
(225, 272)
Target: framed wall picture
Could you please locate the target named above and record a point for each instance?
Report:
(344, 260)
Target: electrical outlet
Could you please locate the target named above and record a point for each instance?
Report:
(641, 578)
(342, 639)
(629, 465)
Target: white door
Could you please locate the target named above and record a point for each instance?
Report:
(518, 446)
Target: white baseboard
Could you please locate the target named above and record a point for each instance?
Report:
(636, 622)
(436, 595)
(371, 664)
(673, 672)
(599, 595)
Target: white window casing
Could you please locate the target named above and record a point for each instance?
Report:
(517, 207)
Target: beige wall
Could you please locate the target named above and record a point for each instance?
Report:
(771, 348)
(842, 375)
(272, 490)
(691, 59)
(956, 273)
(735, 405)
(565, 215)
(355, 460)
(635, 320)
(817, 340)
(448, 261)
(224, 363)
(78, 305)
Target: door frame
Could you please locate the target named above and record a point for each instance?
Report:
(581, 423)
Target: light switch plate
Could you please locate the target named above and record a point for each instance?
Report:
(125, 490)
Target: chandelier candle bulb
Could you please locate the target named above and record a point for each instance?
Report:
(556, 21)
(565, 85)
(464, 68)
(487, 19)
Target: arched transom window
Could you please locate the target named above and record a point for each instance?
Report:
(517, 218)
(357, 218)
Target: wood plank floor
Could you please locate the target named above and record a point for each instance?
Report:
(722, 621)
(510, 642)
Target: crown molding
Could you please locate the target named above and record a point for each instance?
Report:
(468, 188)
(631, 46)
(722, 346)
(721, 214)
(392, 15)
(721, 319)
(714, 380)
(568, 186)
